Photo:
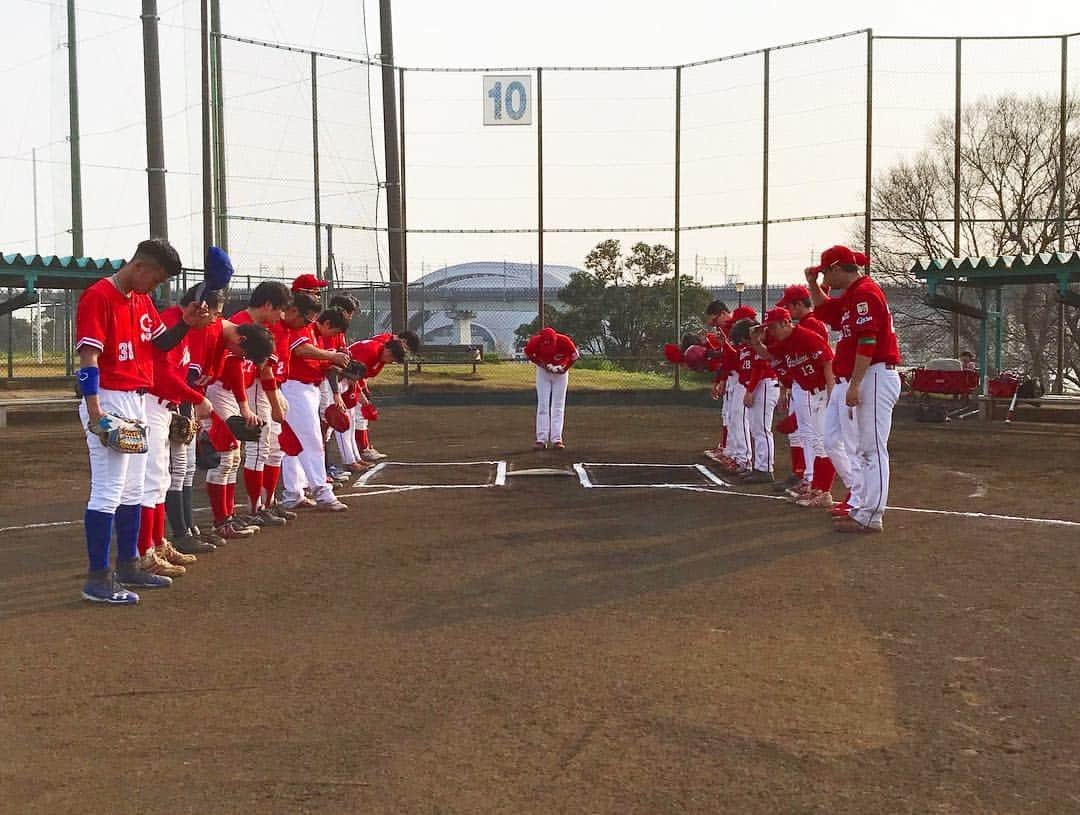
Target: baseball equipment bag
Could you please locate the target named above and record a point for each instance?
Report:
(337, 418)
(354, 370)
(369, 411)
(241, 430)
(287, 440)
(182, 429)
(120, 434)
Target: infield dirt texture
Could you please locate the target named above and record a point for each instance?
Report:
(546, 648)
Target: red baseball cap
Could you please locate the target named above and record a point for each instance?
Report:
(308, 282)
(841, 255)
(776, 315)
(793, 294)
(743, 313)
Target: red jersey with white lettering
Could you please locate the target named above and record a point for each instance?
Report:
(304, 369)
(814, 324)
(562, 352)
(282, 356)
(208, 349)
(121, 327)
(171, 367)
(865, 324)
(752, 368)
(803, 356)
(247, 367)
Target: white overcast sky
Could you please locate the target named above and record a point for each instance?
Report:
(608, 136)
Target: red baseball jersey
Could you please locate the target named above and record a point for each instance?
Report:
(369, 352)
(208, 349)
(563, 352)
(814, 324)
(752, 368)
(803, 356)
(335, 343)
(861, 313)
(282, 356)
(171, 367)
(302, 369)
(247, 367)
(121, 327)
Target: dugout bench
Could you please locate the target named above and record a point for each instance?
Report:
(449, 355)
(35, 406)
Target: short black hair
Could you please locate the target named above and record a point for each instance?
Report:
(716, 307)
(214, 298)
(345, 303)
(305, 303)
(160, 252)
(411, 340)
(336, 317)
(397, 348)
(689, 339)
(806, 301)
(269, 292)
(257, 340)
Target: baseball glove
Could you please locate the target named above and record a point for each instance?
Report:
(369, 411)
(354, 370)
(182, 429)
(120, 434)
(241, 430)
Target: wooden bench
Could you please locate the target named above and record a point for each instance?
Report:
(449, 355)
(35, 406)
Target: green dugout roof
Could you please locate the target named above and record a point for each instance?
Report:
(30, 272)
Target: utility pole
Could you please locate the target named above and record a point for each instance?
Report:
(393, 176)
(207, 160)
(217, 106)
(73, 135)
(155, 140)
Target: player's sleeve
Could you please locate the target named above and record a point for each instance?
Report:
(818, 347)
(91, 321)
(232, 377)
(830, 312)
(570, 350)
(157, 326)
(530, 349)
(169, 383)
(867, 324)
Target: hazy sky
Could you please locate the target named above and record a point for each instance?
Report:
(608, 136)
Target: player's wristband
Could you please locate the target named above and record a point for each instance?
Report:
(88, 380)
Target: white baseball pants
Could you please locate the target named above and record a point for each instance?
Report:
(840, 438)
(760, 416)
(157, 478)
(115, 478)
(809, 409)
(550, 405)
(878, 393)
(738, 425)
(308, 468)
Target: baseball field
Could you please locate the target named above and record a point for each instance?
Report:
(467, 640)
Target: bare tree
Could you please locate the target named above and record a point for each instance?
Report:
(1009, 192)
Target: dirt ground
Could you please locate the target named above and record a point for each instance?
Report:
(545, 648)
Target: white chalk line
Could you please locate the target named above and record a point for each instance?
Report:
(581, 469)
(498, 478)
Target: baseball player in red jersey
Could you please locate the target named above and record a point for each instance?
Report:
(735, 455)
(868, 383)
(115, 325)
(553, 354)
(807, 358)
(307, 367)
(718, 318)
(374, 354)
(759, 380)
(796, 299)
(347, 305)
(262, 458)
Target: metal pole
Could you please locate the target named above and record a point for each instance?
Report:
(217, 90)
(33, 159)
(1059, 385)
(10, 342)
(404, 219)
(540, 194)
(868, 220)
(68, 342)
(956, 190)
(393, 178)
(765, 193)
(315, 160)
(73, 136)
(207, 161)
(155, 139)
(678, 198)
(329, 275)
(997, 331)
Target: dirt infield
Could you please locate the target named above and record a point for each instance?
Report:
(545, 648)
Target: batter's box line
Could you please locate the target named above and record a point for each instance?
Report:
(498, 481)
(581, 468)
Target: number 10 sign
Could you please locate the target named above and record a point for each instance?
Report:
(508, 99)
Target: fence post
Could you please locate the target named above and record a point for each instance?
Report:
(956, 190)
(315, 161)
(765, 193)
(869, 171)
(678, 167)
(68, 342)
(540, 193)
(404, 228)
(10, 342)
(1059, 385)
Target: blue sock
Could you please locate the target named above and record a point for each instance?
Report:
(99, 526)
(127, 531)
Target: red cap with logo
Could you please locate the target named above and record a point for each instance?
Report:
(308, 283)
(793, 294)
(841, 255)
(776, 315)
(743, 313)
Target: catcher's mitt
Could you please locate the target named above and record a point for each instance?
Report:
(122, 435)
(182, 429)
(354, 370)
(369, 411)
(241, 430)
